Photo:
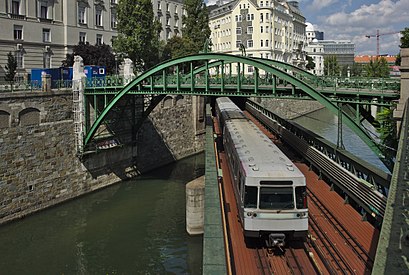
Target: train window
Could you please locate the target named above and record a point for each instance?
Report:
(278, 182)
(250, 197)
(301, 197)
(276, 198)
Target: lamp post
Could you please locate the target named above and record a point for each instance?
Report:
(116, 64)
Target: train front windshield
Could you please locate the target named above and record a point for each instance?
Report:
(276, 198)
(271, 198)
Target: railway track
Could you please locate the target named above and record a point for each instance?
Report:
(263, 261)
(350, 240)
(334, 244)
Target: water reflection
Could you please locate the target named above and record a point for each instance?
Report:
(325, 124)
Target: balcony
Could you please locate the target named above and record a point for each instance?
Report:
(44, 20)
(17, 16)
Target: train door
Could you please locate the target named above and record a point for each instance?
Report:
(241, 183)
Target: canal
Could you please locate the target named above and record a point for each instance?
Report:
(135, 227)
(325, 124)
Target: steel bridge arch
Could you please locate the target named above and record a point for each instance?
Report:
(256, 63)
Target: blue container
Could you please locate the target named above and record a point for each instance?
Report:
(95, 71)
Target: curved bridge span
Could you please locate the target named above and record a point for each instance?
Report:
(217, 74)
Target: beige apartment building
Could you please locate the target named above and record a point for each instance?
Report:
(41, 32)
(266, 28)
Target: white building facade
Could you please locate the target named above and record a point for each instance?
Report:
(318, 49)
(41, 32)
(266, 28)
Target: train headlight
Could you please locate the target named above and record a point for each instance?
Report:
(302, 214)
(252, 214)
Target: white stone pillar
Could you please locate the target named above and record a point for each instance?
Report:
(128, 71)
(78, 87)
(195, 193)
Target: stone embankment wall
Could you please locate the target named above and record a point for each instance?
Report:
(289, 108)
(39, 166)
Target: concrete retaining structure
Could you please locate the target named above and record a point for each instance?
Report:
(289, 108)
(39, 166)
(195, 206)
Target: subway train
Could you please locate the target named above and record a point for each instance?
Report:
(270, 190)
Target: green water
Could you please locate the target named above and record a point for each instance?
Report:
(135, 227)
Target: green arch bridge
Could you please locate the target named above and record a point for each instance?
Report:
(217, 74)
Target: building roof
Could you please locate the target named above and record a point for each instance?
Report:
(367, 58)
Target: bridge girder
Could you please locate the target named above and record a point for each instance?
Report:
(259, 64)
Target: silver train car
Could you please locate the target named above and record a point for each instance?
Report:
(270, 190)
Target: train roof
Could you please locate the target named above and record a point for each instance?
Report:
(259, 156)
(228, 109)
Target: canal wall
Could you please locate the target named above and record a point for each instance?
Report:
(39, 166)
(289, 108)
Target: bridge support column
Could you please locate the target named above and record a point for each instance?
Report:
(404, 86)
(195, 206)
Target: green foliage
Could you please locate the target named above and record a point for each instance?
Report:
(310, 63)
(398, 60)
(138, 33)
(331, 67)
(174, 48)
(11, 67)
(404, 40)
(387, 131)
(356, 69)
(377, 68)
(196, 28)
(98, 55)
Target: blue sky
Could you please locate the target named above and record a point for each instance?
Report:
(353, 19)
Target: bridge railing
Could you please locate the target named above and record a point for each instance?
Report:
(320, 83)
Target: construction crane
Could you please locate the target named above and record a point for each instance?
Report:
(377, 39)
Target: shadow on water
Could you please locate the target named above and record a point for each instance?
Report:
(135, 227)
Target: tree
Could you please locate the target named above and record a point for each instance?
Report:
(387, 130)
(196, 28)
(404, 40)
(138, 33)
(310, 63)
(173, 48)
(98, 55)
(11, 67)
(331, 67)
(377, 68)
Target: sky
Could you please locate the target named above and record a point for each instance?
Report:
(354, 19)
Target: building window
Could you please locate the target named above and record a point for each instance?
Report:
(249, 43)
(266, 29)
(18, 32)
(261, 3)
(83, 37)
(82, 17)
(19, 58)
(250, 69)
(15, 7)
(43, 10)
(46, 35)
(261, 17)
(46, 60)
(261, 29)
(99, 39)
(98, 17)
(261, 43)
(249, 30)
(238, 18)
(113, 19)
(267, 17)
(238, 31)
(266, 43)
(238, 43)
(167, 7)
